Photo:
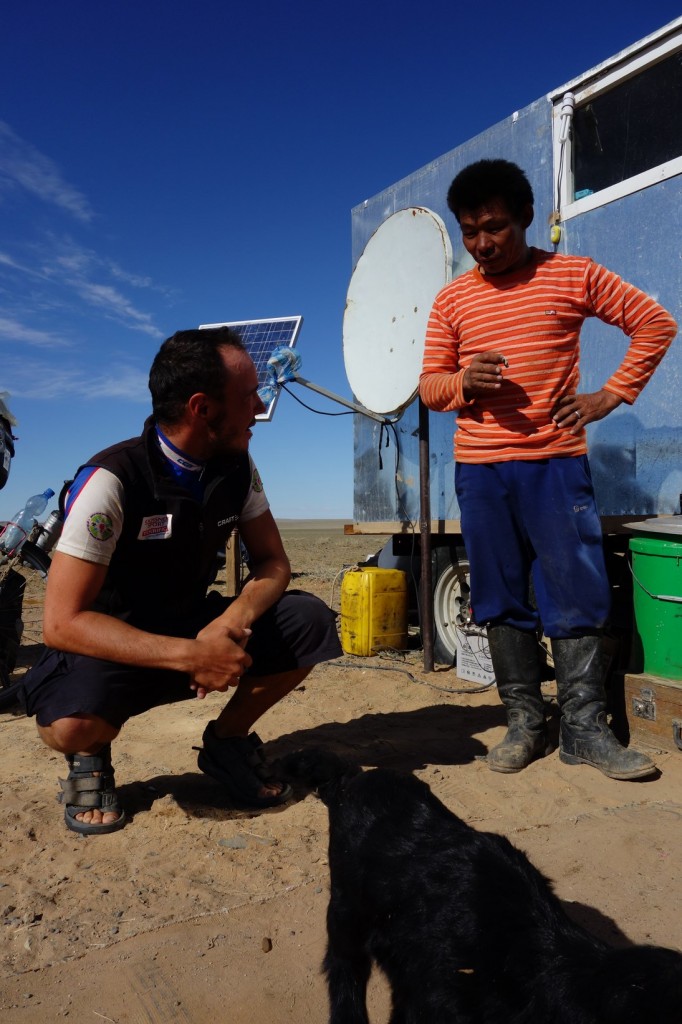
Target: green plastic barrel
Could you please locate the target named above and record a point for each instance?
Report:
(657, 590)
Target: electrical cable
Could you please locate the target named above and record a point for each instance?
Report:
(415, 679)
(319, 412)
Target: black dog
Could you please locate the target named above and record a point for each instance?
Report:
(464, 927)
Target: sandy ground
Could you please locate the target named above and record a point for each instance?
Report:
(196, 912)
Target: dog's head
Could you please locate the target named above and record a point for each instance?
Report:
(318, 769)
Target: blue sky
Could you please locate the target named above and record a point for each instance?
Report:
(166, 164)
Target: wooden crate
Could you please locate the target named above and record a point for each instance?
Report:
(653, 707)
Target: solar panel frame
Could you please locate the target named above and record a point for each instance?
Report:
(260, 338)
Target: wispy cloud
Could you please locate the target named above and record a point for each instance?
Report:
(36, 380)
(128, 383)
(23, 166)
(59, 272)
(133, 279)
(65, 264)
(13, 331)
(115, 305)
(9, 261)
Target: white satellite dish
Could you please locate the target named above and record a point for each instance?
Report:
(405, 263)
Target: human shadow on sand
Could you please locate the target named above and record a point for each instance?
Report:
(405, 740)
(194, 793)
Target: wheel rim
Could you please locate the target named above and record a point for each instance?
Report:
(450, 606)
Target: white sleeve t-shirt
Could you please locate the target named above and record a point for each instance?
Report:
(94, 513)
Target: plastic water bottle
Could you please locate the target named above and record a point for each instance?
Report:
(284, 364)
(267, 393)
(21, 524)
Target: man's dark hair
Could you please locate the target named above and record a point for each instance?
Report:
(490, 179)
(189, 362)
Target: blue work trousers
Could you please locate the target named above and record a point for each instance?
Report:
(534, 520)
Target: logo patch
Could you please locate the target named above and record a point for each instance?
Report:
(155, 528)
(256, 481)
(228, 521)
(100, 526)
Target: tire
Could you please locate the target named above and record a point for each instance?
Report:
(449, 602)
(11, 626)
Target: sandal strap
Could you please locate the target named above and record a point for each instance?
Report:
(84, 763)
(93, 792)
(83, 789)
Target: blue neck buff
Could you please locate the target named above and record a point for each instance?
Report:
(187, 471)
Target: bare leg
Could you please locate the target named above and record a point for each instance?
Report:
(252, 698)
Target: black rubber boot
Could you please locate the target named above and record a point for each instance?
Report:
(585, 735)
(516, 664)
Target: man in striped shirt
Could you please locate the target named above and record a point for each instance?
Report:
(502, 350)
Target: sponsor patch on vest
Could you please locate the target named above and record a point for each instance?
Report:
(100, 526)
(155, 528)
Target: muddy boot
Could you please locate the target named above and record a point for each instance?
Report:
(516, 664)
(585, 736)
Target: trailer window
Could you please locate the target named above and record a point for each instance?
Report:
(625, 132)
(631, 128)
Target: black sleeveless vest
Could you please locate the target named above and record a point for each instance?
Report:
(167, 554)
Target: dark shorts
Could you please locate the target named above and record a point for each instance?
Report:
(298, 632)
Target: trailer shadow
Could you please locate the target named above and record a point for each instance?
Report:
(406, 740)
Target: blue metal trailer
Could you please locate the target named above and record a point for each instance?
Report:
(604, 156)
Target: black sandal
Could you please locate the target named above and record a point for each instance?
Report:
(84, 790)
(238, 762)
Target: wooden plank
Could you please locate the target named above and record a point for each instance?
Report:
(443, 527)
(439, 527)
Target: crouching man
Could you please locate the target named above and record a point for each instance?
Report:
(128, 622)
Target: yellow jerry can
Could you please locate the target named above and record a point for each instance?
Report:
(373, 610)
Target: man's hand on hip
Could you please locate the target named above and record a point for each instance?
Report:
(573, 412)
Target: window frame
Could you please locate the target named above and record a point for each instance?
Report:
(624, 65)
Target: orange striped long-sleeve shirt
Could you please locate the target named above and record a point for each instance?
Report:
(533, 317)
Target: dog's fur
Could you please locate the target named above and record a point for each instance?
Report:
(466, 930)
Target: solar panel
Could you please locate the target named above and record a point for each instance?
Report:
(260, 338)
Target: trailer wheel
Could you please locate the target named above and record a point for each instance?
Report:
(450, 600)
